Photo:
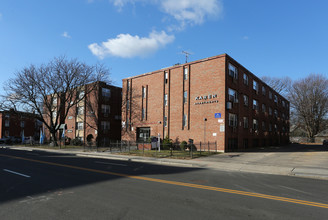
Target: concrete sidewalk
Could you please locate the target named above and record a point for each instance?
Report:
(304, 161)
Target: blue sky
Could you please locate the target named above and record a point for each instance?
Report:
(270, 38)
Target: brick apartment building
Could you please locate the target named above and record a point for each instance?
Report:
(210, 100)
(15, 124)
(96, 117)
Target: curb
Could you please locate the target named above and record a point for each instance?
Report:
(307, 172)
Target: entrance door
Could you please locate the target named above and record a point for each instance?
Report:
(143, 134)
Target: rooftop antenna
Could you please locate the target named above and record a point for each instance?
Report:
(186, 54)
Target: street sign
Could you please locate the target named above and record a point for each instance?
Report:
(217, 115)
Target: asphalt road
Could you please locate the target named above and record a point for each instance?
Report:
(41, 185)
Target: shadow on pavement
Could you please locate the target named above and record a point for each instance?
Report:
(57, 172)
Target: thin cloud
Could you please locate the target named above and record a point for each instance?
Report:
(192, 12)
(128, 46)
(185, 12)
(0, 16)
(66, 35)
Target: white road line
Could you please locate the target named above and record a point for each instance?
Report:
(10, 171)
(115, 164)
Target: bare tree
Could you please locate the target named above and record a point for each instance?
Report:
(280, 85)
(51, 90)
(309, 102)
(131, 112)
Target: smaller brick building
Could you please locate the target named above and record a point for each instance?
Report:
(215, 99)
(15, 124)
(97, 117)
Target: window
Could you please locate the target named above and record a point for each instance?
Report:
(245, 79)
(105, 125)
(79, 125)
(270, 95)
(165, 121)
(255, 124)
(184, 120)
(255, 105)
(185, 97)
(245, 122)
(22, 124)
(81, 94)
(143, 114)
(275, 99)
(128, 86)
(270, 111)
(275, 112)
(54, 115)
(283, 103)
(166, 76)
(263, 126)
(270, 127)
(263, 108)
(80, 110)
(255, 86)
(233, 71)
(6, 133)
(165, 99)
(105, 109)
(275, 127)
(7, 123)
(233, 95)
(105, 92)
(185, 73)
(245, 100)
(232, 120)
(263, 90)
(127, 104)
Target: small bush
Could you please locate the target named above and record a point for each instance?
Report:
(77, 142)
(194, 148)
(167, 143)
(183, 145)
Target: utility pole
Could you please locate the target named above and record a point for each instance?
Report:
(186, 54)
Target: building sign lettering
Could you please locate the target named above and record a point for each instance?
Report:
(206, 99)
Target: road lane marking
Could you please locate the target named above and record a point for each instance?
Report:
(191, 185)
(20, 174)
(116, 164)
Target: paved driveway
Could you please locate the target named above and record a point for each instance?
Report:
(294, 155)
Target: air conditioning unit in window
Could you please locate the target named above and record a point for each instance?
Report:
(229, 105)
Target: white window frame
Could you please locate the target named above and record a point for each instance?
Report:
(105, 109)
(106, 92)
(185, 73)
(233, 95)
(233, 120)
(165, 99)
(245, 77)
(233, 72)
(105, 125)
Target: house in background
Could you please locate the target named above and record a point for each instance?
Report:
(321, 136)
(16, 124)
(97, 117)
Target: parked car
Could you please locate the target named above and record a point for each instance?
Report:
(325, 143)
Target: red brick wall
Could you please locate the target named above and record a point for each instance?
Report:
(205, 77)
